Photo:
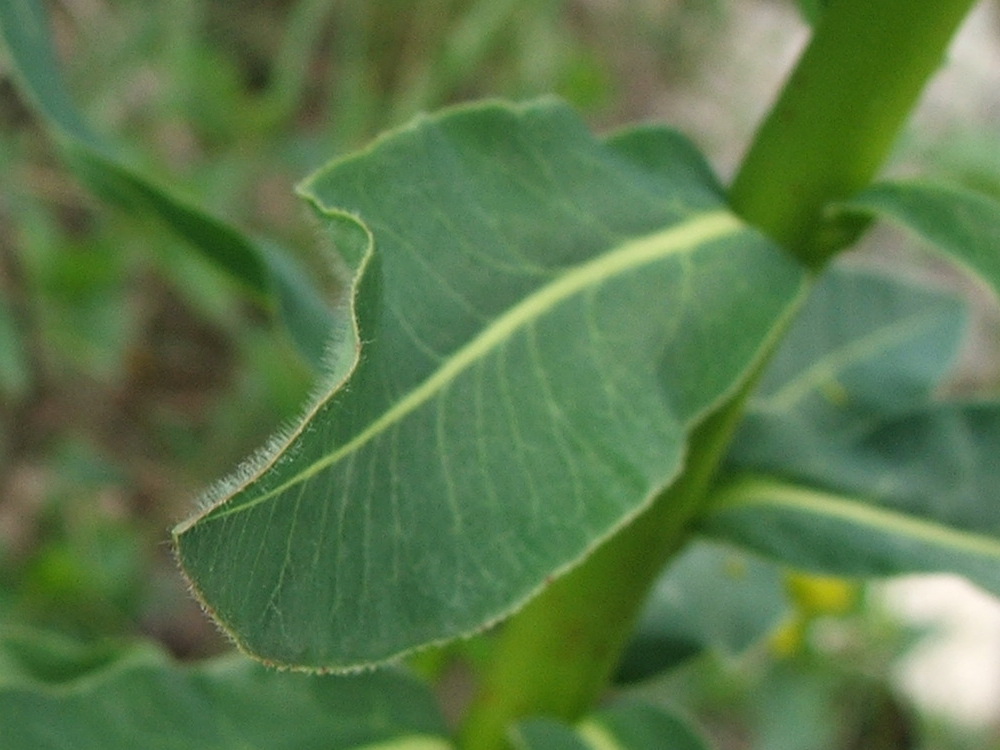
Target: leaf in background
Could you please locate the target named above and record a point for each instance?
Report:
(892, 481)
(547, 734)
(862, 341)
(37, 657)
(143, 700)
(532, 307)
(961, 223)
(846, 535)
(713, 596)
(272, 278)
(639, 726)
(623, 726)
(812, 10)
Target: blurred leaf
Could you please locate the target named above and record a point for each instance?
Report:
(812, 10)
(527, 322)
(891, 480)
(547, 734)
(15, 370)
(638, 726)
(25, 29)
(797, 707)
(963, 224)
(623, 726)
(966, 155)
(854, 536)
(712, 596)
(141, 699)
(863, 341)
(33, 656)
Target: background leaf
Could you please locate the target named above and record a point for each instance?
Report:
(891, 480)
(142, 700)
(639, 726)
(533, 310)
(851, 536)
(623, 726)
(963, 224)
(274, 279)
(713, 596)
(536, 734)
(812, 10)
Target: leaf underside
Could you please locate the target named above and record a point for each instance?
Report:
(541, 317)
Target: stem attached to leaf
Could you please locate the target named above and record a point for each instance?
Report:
(824, 140)
(556, 655)
(839, 115)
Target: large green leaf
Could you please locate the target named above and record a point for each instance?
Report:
(541, 317)
(959, 222)
(713, 596)
(266, 272)
(623, 726)
(141, 699)
(892, 481)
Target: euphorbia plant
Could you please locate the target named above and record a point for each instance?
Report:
(561, 360)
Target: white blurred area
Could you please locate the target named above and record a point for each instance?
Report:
(955, 670)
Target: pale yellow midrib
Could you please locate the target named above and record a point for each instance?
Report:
(687, 235)
(849, 509)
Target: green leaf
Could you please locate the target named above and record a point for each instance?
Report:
(273, 278)
(143, 700)
(963, 224)
(846, 535)
(713, 596)
(33, 656)
(862, 341)
(547, 734)
(812, 10)
(639, 726)
(892, 481)
(531, 306)
(623, 726)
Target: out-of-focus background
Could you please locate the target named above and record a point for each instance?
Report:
(132, 374)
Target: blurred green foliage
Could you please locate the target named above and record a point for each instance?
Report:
(131, 373)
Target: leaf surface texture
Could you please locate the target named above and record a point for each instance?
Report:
(540, 318)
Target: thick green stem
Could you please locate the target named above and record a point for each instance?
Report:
(825, 139)
(840, 113)
(557, 654)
